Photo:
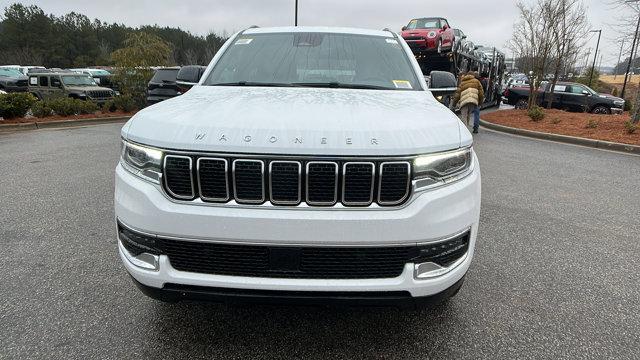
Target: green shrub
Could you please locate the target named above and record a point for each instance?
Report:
(41, 109)
(614, 92)
(70, 106)
(592, 124)
(628, 105)
(109, 106)
(125, 103)
(14, 105)
(630, 127)
(536, 113)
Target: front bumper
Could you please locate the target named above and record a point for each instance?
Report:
(616, 111)
(429, 216)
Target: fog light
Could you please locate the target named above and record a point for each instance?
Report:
(144, 260)
(440, 257)
(139, 249)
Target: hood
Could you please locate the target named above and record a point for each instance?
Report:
(87, 88)
(13, 78)
(609, 96)
(300, 121)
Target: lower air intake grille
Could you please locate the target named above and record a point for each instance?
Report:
(178, 177)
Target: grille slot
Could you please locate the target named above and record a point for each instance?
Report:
(178, 176)
(248, 181)
(357, 185)
(322, 183)
(98, 94)
(285, 182)
(212, 179)
(394, 181)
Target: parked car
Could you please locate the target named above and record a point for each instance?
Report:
(51, 85)
(460, 42)
(12, 80)
(162, 85)
(429, 35)
(567, 96)
(298, 170)
(100, 76)
(2, 92)
(188, 76)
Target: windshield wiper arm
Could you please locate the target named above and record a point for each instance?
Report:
(335, 84)
(252, 83)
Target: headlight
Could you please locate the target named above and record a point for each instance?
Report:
(142, 161)
(442, 168)
(619, 103)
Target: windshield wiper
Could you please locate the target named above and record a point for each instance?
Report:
(335, 84)
(252, 83)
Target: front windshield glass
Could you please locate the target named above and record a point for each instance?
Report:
(424, 24)
(77, 80)
(10, 72)
(315, 59)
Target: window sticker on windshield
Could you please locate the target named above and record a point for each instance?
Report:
(244, 41)
(392, 41)
(402, 84)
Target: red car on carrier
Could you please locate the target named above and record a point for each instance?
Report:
(429, 35)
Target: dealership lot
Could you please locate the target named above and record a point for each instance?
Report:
(555, 272)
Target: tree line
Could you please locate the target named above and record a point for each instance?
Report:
(29, 36)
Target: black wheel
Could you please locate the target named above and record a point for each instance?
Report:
(601, 110)
(521, 104)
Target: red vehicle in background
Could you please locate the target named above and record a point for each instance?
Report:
(429, 35)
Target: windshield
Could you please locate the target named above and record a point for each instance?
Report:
(424, 24)
(315, 59)
(163, 75)
(99, 72)
(77, 80)
(10, 72)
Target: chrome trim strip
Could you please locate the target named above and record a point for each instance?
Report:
(226, 179)
(144, 261)
(344, 182)
(407, 190)
(235, 192)
(261, 243)
(164, 171)
(285, 202)
(335, 190)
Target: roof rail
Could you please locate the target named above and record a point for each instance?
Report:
(250, 27)
(392, 33)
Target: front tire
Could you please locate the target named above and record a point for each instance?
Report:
(521, 104)
(601, 110)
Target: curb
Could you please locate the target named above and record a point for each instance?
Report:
(61, 123)
(599, 144)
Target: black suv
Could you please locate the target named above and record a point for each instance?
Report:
(12, 80)
(163, 85)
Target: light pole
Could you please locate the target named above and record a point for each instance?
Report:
(615, 75)
(595, 56)
(633, 46)
(296, 21)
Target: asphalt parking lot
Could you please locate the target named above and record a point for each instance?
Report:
(556, 272)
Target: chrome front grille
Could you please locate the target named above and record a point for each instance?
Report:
(287, 182)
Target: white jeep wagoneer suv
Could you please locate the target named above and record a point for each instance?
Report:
(308, 164)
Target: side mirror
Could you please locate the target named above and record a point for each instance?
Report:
(464, 37)
(188, 76)
(404, 28)
(442, 83)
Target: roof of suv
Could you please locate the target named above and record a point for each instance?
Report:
(318, 29)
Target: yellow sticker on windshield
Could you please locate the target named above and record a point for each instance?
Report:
(402, 84)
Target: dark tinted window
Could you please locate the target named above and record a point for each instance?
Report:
(190, 73)
(44, 81)
(305, 59)
(165, 75)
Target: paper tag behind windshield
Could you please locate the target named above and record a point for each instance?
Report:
(402, 84)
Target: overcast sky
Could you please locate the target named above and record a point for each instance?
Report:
(486, 22)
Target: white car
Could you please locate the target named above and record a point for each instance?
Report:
(309, 164)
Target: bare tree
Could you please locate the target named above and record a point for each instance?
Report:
(568, 31)
(533, 40)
